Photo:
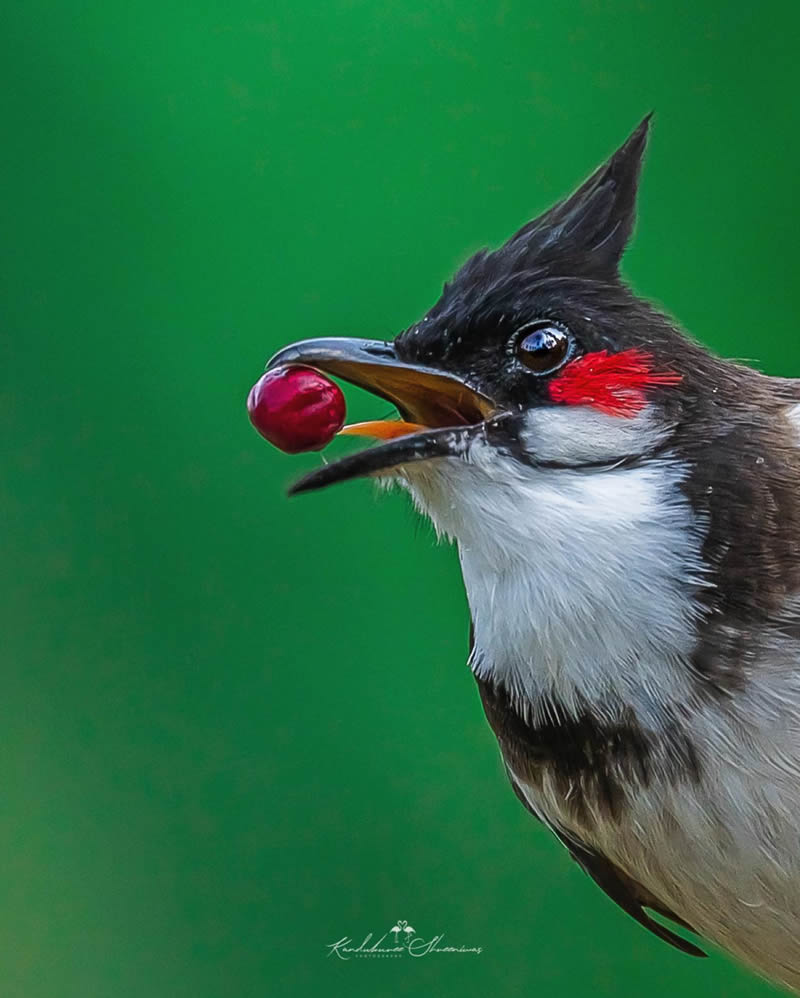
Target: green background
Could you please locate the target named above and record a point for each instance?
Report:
(235, 727)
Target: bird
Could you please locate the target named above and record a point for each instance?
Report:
(626, 509)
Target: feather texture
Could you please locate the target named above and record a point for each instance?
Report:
(614, 383)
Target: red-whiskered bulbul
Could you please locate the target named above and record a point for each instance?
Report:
(626, 508)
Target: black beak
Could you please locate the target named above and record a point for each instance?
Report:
(422, 394)
(445, 442)
(438, 404)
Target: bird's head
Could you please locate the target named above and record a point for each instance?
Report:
(536, 356)
(617, 493)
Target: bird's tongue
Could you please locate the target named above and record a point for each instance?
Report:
(382, 429)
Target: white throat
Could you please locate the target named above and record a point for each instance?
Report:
(580, 583)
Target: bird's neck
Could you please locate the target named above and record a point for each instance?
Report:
(582, 586)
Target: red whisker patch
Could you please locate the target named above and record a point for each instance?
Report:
(614, 383)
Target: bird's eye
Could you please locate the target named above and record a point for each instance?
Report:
(543, 347)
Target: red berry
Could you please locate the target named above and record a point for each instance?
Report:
(296, 408)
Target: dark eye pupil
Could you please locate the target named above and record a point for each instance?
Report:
(544, 348)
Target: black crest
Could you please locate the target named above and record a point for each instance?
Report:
(580, 240)
(589, 230)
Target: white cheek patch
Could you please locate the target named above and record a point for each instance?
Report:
(575, 435)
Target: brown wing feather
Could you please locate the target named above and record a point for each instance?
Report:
(622, 889)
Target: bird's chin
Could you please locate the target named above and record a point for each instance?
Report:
(384, 459)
